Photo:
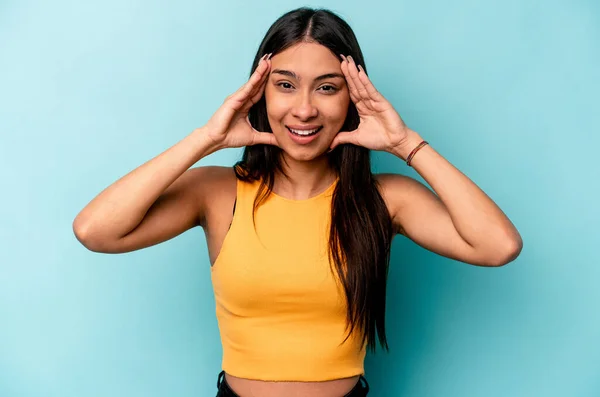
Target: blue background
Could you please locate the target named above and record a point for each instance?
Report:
(506, 90)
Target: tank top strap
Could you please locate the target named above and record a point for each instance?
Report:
(245, 194)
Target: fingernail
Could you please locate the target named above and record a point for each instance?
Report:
(270, 54)
(350, 58)
(360, 68)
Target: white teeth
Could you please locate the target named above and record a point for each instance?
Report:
(304, 132)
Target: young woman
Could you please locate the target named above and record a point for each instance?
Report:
(299, 230)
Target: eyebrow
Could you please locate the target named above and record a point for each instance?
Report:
(295, 76)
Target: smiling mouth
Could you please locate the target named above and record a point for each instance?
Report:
(304, 132)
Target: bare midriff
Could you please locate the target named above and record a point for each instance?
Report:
(331, 388)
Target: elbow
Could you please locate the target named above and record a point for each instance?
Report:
(82, 234)
(85, 235)
(509, 251)
(79, 229)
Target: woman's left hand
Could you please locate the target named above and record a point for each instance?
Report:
(380, 127)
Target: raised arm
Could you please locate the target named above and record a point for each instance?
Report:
(153, 203)
(457, 219)
(163, 197)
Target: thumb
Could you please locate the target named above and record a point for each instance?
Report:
(264, 138)
(261, 138)
(343, 137)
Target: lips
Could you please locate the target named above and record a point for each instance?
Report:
(303, 134)
(304, 131)
(303, 127)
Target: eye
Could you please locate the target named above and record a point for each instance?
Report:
(285, 85)
(329, 89)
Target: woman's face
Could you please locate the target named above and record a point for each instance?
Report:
(307, 99)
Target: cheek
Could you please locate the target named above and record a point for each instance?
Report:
(335, 111)
(276, 106)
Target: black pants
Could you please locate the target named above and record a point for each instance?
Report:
(360, 390)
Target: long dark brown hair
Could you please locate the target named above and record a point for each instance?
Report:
(361, 229)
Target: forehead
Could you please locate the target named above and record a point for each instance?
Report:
(306, 59)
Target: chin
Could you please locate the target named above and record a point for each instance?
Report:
(304, 153)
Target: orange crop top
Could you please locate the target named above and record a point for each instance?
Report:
(281, 315)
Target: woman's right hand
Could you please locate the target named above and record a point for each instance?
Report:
(229, 127)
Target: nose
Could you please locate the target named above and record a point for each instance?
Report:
(303, 108)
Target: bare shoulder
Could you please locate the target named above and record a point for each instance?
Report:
(214, 178)
(396, 188)
(216, 190)
(398, 191)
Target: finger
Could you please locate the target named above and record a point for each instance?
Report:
(259, 90)
(255, 97)
(360, 103)
(240, 98)
(257, 77)
(259, 137)
(264, 75)
(353, 75)
(264, 138)
(244, 91)
(372, 91)
(364, 96)
(351, 86)
(254, 76)
(360, 87)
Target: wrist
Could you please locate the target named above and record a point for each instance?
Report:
(403, 149)
(203, 142)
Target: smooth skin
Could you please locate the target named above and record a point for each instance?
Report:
(164, 197)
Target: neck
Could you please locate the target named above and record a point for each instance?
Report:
(305, 179)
